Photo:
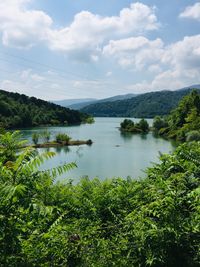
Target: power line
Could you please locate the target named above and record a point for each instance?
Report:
(47, 66)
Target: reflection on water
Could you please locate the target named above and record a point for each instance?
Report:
(112, 154)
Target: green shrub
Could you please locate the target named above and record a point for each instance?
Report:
(193, 136)
(46, 135)
(62, 138)
(35, 138)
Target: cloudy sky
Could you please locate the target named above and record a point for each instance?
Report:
(84, 48)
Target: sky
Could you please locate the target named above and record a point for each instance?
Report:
(68, 49)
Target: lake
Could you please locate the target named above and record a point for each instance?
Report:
(111, 155)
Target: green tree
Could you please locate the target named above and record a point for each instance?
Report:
(10, 143)
(62, 138)
(46, 135)
(184, 118)
(143, 125)
(35, 138)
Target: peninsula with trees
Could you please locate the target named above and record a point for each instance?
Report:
(21, 111)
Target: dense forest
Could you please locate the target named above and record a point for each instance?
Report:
(183, 123)
(142, 106)
(18, 110)
(150, 222)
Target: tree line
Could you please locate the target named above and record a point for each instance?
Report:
(183, 123)
(19, 111)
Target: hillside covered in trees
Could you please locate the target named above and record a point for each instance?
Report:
(183, 123)
(142, 106)
(18, 110)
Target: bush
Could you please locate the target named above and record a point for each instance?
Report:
(143, 125)
(46, 135)
(159, 123)
(62, 138)
(193, 136)
(35, 138)
(129, 126)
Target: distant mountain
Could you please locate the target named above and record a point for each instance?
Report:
(81, 105)
(18, 110)
(69, 102)
(145, 105)
(117, 97)
(196, 86)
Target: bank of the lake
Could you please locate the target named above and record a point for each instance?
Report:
(112, 154)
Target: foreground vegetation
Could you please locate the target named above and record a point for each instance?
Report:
(116, 222)
(183, 123)
(18, 110)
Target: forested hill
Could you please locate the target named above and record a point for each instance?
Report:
(18, 110)
(142, 106)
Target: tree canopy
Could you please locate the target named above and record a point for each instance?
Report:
(18, 110)
(129, 126)
(146, 105)
(183, 120)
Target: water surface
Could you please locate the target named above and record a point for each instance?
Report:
(111, 155)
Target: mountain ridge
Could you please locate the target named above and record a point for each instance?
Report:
(78, 104)
(145, 105)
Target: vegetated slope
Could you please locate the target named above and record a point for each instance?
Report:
(81, 104)
(184, 121)
(146, 105)
(18, 110)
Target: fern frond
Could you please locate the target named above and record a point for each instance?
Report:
(36, 161)
(10, 191)
(58, 171)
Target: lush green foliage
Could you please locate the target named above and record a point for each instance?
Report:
(183, 120)
(44, 135)
(193, 136)
(129, 126)
(159, 123)
(149, 222)
(18, 110)
(35, 138)
(62, 138)
(90, 120)
(146, 105)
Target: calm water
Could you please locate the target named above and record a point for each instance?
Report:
(111, 155)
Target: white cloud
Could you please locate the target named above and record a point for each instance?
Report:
(22, 27)
(138, 52)
(191, 12)
(167, 80)
(88, 31)
(184, 54)
(181, 61)
(109, 73)
(27, 75)
(13, 86)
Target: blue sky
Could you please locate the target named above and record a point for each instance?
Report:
(78, 49)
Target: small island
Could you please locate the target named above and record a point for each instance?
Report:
(61, 139)
(128, 126)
